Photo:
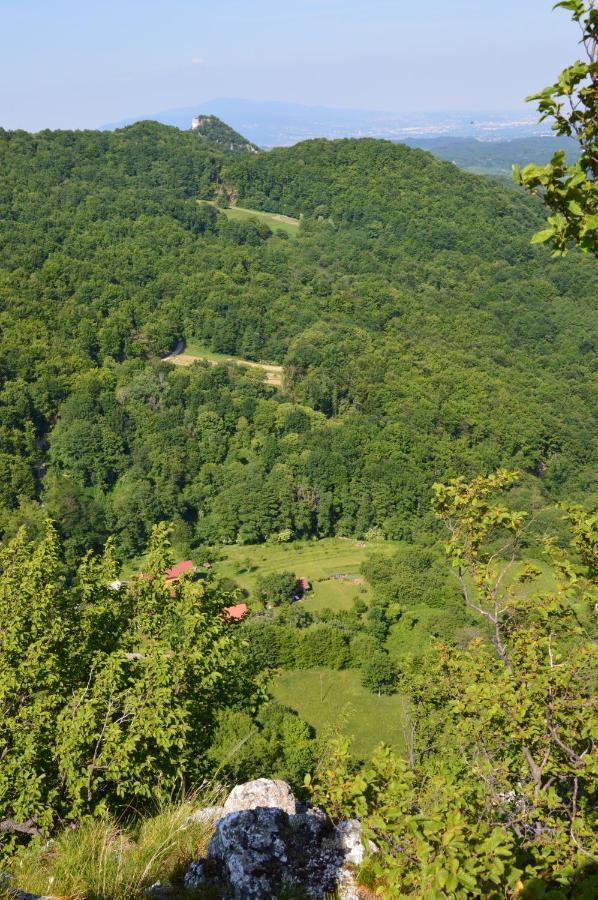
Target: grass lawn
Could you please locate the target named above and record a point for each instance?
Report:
(314, 560)
(195, 351)
(336, 595)
(275, 221)
(328, 699)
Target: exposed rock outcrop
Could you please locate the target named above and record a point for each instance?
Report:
(267, 844)
(261, 793)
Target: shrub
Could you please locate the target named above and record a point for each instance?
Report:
(296, 616)
(377, 624)
(363, 647)
(379, 674)
(321, 646)
(270, 646)
(276, 588)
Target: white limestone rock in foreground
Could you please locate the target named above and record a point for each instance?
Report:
(266, 844)
(261, 792)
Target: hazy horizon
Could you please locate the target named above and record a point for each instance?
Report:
(68, 66)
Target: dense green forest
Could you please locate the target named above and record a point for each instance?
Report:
(423, 340)
(422, 337)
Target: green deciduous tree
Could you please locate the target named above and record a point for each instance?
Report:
(571, 191)
(497, 796)
(276, 744)
(108, 698)
(379, 674)
(276, 588)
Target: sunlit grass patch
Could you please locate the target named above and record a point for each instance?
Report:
(103, 859)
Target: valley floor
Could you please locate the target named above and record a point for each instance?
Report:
(331, 565)
(335, 701)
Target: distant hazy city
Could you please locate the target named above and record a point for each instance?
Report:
(272, 124)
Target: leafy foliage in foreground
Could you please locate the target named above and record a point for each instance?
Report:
(497, 796)
(571, 191)
(108, 698)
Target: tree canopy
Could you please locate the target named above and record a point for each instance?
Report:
(420, 335)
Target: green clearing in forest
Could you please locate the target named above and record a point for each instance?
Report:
(194, 352)
(315, 560)
(275, 221)
(331, 700)
(318, 561)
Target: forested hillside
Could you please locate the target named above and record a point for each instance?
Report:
(218, 133)
(425, 344)
(495, 157)
(421, 336)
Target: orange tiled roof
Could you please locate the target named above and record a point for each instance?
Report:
(179, 569)
(237, 612)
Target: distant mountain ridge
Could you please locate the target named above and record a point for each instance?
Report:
(496, 157)
(484, 157)
(274, 123)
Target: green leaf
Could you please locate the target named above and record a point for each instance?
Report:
(574, 6)
(542, 236)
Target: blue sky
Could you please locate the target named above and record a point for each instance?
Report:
(81, 63)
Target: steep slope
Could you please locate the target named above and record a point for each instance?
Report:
(215, 131)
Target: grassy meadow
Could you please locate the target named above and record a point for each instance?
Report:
(105, 859)
(275, 221)
(318, 561)
(194, 351)
(331, 565)
(335, 701)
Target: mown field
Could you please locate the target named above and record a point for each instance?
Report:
(331, 565)
(194, 351)
(275, 221)
(318, 561)
(336, 702)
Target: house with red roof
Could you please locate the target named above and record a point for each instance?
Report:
(181, 568)
(237, 612)
(302, 586)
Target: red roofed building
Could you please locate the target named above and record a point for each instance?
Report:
(237, 612)
(180, 569)
(302, 585)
